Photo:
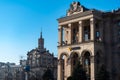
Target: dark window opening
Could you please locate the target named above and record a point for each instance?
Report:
(86, 64)
(87, 33)
(97, 26)
(97, 35)
(74, 60)
(75, 34)
(63, 33)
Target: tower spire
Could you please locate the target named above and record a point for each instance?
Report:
(41, 41)
(41, 33)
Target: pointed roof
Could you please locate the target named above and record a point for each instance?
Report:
(41, 34)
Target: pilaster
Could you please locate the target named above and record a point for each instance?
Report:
(59, 75)
(92, 68)
(92, 32)
(80, 31)
(60, 36)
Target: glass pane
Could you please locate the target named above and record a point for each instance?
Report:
(98, 34)
(86, 37)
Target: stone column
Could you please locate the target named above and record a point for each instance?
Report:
(60, 36)
(80, 32)
(92, 32)
(69, 34)
(65, 69)
(59, 75)
(69, 67)
(92, 68)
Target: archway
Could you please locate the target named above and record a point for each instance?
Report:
(74, 60)
(86, 62)
(62, 62)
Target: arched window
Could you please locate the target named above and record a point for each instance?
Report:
(63, 59)
(86, 63)
(74, 60)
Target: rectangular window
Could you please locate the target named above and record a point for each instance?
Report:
(97, 34)
(87, 33)
(86, 37)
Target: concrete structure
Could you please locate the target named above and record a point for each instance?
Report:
(91, 37)
(39, 60)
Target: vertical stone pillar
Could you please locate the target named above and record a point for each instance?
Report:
(59, 75)
(92, 32)
(69, 34)
(65, 69)
(80, 31)
(60, 36)
(69, 71)
(92, 68)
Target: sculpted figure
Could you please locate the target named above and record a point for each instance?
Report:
(74, 7)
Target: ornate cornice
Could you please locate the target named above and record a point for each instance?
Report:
(74, 16)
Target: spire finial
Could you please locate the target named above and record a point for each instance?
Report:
(41, 33)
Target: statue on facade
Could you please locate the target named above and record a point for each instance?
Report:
(74, 7)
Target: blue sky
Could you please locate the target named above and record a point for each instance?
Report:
(21, 22)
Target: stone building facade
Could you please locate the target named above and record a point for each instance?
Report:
(91, 37)
(40, 60)
(11, 71)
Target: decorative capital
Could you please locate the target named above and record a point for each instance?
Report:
(69, 25)
(92, 20)
(59, 61)
(59, 28)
